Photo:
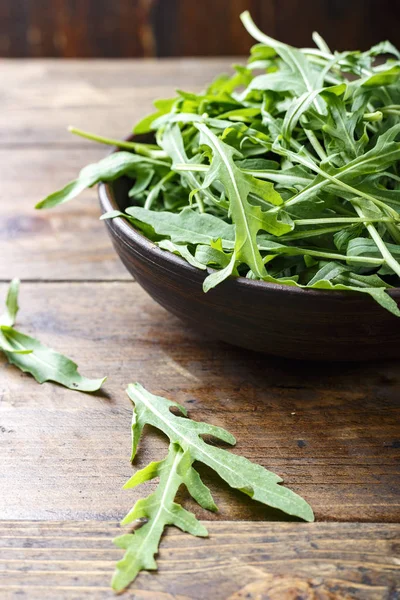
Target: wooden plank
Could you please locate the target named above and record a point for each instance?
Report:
(331, 431)
(279, 561)
(42, 98)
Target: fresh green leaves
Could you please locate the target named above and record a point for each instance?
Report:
(10, 314)
(157, 511)
(187, 226)
(108, 169)
(237, 471)
(289, 150)
(29, 355)
(187, 445)
(248, 219)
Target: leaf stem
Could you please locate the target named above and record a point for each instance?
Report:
(157, 189)
(294, 250)
(137, 147)
(342, 220)
(315, 143)
(389, 259)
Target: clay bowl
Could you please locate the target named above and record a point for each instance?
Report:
(280, 320)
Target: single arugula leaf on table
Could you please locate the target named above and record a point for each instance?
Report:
(186, 446)
(31, 356)
(237, 471)
(10, 314)
(7, 319)
(158, 510)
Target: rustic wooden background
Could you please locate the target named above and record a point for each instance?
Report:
(145, 28)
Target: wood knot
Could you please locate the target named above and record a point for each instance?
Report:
(289, 587)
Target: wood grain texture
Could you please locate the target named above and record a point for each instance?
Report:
(331, 431)
(253, 561)
(128, 28)
(38, 155)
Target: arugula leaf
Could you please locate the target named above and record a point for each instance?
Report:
(296, 110)
(248, 219)
(183, 251)
(10, 314)
(163, 107)
(237, 471)
(29, 355)
(342, 279)
(219, 276)
(112, 167)
(340, 127)
(188, 226)
(364, 246)
(383, 78)
(159, 510)
(44, 363)
(303, 76)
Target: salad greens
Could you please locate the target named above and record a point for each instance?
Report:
(286, 171)
(186, 446)
(29, 355)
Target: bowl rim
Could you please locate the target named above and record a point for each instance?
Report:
(125, 229)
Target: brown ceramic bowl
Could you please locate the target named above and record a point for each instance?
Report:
(277, 319)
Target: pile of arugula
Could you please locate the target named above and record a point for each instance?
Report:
(285, 172)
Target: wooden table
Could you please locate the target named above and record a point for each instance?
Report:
(330, 430)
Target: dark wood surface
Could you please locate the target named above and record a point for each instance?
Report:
(330, 430)
(248, 561)
(132, 28)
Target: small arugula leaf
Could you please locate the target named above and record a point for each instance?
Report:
(187, 227)
(344, 236)
(304, 77)
(367, 247)
(297, 108)
(113, 214)
(7, 319)
(248, 219)
(158, 510)
(340, 127)
(337, 277)
(144, 176)
(212, 256)
(387, 77)
(163, 107)
(29, 355)
(219, 276)
(173, 144)
(181, 250)
(112, 167)
(237, 471)
(9, 316)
